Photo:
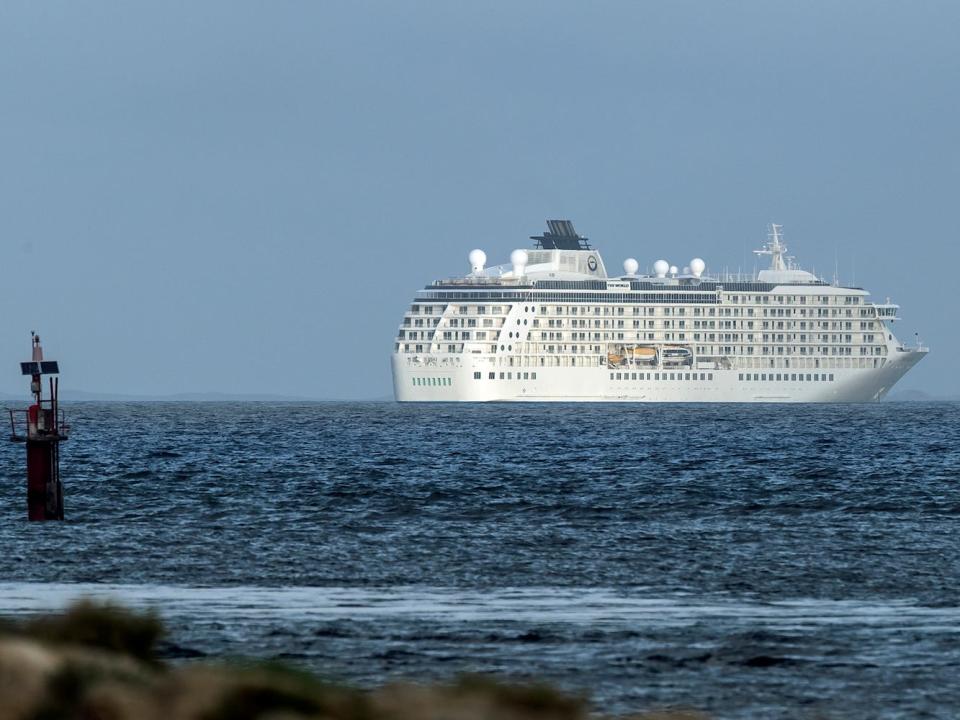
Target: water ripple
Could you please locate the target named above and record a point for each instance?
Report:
(647, 554)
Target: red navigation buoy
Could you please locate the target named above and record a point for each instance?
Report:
(42, 427)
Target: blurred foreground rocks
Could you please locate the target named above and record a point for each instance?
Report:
(98, 662)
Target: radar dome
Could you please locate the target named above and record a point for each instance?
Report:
(630, 266)
(519, 260)
(478, 258)
(673, 270)
(661, 267)
(697, 266)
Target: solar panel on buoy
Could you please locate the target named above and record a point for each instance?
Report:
(44, 367)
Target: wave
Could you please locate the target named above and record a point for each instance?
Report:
(595, 606)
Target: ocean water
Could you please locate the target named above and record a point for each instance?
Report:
(749, 561)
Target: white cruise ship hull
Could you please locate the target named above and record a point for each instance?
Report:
(452, 379)
(555, 327)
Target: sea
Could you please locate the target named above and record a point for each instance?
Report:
(747, 561)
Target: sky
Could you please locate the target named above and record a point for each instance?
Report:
(243, 197)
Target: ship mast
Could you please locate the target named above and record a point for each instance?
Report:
(775, 248)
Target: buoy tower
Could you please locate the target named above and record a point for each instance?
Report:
(42, 428)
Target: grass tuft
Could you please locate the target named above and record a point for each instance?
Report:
(102, 626)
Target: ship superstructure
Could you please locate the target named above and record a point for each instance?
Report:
(552, 325)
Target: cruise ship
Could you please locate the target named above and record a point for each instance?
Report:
(553, 325)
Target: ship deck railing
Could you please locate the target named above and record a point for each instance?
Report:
(481, 281)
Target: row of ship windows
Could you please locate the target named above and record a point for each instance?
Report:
(706, 349)
(605, 298)
(762, 377)
(755, 338)
(654, 324)
(559, 310)
(700, 324)
(674, 298)
(722, 290)
(749, 342)
(657, 376)
(739, 350)
(789, 377)
(505, 376)
(432, 381)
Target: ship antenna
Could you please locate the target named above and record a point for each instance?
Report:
(777, 248)
(774, 248)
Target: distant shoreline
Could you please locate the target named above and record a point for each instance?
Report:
(71, 396)
(67, 396)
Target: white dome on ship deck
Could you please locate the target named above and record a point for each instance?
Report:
(661, 268)
(630, 266)
(519, 258)
(478, 258)
(697, 266)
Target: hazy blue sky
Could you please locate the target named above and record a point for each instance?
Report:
(243, 197)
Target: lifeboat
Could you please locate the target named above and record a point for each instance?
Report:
(677, 356)
(644, 353)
